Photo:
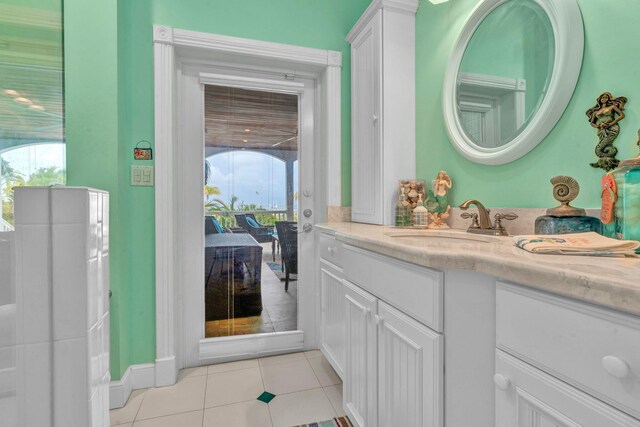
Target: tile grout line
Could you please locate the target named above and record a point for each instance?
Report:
(314, 373)
(165, 416)
(135, 418)
(335, 413)
(233, 403)
(265, 389)
(204, 400)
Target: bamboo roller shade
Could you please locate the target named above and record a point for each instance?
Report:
(241, 118)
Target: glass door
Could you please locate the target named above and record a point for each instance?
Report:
(246, 171)
(250, 211)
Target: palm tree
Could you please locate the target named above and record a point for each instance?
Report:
(207, 171)
(46, 176)
(8, 173)
(220, 205)
(9, 178)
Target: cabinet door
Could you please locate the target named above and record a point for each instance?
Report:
(366, 123)
(332, 317)
(410, 371)
(360, 381)
(528, 397)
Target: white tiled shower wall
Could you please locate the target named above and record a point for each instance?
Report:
(58, 350)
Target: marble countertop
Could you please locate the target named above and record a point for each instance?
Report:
(610, 282)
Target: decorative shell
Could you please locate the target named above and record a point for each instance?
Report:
(565, 188)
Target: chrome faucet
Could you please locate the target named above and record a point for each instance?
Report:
(482, 221)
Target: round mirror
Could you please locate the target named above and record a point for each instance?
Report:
(511, 75)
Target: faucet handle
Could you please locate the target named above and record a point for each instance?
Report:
(499, 217)
(473, 217)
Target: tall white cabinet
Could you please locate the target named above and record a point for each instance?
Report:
(62, 307)
(383, 107)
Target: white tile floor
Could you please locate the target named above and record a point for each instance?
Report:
(306, 387)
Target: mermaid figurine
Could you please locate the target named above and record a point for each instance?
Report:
(438, 201)
(604, 116)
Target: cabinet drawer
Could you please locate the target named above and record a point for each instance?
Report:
(330, 249)
(594, 349)
(414, 290)
(526, 396)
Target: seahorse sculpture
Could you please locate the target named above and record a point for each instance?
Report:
(604, 116)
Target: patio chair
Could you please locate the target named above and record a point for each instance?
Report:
(261, 234)
(212, 226)
(253, 217)
(288, 235)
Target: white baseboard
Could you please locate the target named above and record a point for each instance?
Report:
(134, 378)
(249, 346)
(7, 382)
(120, 390)
(166, 372)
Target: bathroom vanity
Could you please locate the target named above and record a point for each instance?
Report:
(464, 330)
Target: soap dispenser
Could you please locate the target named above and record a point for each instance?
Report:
(403, 211)
(420, 214)
(565, 218)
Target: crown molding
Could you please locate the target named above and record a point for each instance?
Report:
(407, 7)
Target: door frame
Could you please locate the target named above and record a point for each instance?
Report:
(171, 44)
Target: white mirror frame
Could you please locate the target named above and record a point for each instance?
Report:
(568, 31)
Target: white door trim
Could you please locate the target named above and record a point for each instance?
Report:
(193, 348)
(169, 43)
(251, 83)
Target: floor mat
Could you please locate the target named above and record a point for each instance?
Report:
(277, 270)
(336, 422)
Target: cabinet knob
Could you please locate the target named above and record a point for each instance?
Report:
(375, 118)
(377, 319)
(331, 249)
(501, 381)
(615, 366)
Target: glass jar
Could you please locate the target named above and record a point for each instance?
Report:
(627, 207)
(549, 224)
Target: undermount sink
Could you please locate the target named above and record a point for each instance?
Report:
(442, 234)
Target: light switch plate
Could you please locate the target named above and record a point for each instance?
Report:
(142, 176)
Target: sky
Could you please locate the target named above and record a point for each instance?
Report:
(254, 177)
(30, 158)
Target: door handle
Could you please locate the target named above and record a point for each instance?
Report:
(307, 227)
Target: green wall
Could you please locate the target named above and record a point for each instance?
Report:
(109, 108)
(109, 100)
(321, 24)
(91, 126)
(610, 64)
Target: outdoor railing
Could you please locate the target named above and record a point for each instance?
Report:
(228, 220)
(5, 226)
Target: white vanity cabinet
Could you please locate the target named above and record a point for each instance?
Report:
(332, 297)
(394, 366)
(515, 355)
(383, 107)
(359, 391)
(564, 363)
